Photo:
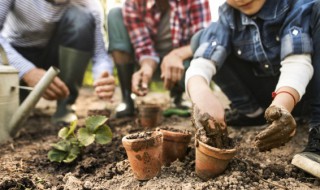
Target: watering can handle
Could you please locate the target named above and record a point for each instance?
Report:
(4, 56)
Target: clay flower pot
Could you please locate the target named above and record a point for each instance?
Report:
(175, 144)
(211, 161)
(144, 152)
(149, 115)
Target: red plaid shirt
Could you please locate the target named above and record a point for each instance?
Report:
(142, 17)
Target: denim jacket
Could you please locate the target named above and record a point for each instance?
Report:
(279, 29)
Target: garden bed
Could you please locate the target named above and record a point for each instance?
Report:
(24, 163)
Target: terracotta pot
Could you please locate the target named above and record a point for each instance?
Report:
(145, 155)
(175, 145)
(211, 161)
(149, 115)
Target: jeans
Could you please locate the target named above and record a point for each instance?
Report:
(75, 30)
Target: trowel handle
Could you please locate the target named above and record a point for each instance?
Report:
(4, 57)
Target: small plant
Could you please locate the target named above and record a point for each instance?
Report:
(71, 143)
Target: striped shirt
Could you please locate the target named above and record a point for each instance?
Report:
(30, 23)
(142, 19)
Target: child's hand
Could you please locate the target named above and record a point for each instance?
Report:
(281, 130)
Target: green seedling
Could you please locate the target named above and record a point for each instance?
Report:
(71, 143)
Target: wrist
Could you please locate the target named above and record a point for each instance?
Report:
(148, 64)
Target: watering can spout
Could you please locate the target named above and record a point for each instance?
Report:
(29, 103)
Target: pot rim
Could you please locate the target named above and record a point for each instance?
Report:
(156, 139)
(224, 154)
(175, 136)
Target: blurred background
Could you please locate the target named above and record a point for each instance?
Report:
(109, 4)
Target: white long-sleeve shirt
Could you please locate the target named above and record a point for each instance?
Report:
(30, 23)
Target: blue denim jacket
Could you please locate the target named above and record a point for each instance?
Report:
(279, 29)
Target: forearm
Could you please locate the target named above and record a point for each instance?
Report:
(286, 97)
(196, 86)
(296, 72)
(15, 59)
(184, 52)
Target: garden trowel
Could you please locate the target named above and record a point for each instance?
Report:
(308, 161)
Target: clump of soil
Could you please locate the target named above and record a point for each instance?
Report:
(211, 132)
(142, 135)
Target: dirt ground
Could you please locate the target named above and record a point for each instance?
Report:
(24, 163)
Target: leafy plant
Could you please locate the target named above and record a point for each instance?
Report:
(71, 143)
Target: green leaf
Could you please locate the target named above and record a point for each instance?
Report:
(63, 145)
(103, 135)
(57, 155)
(85, 136)
(65, 132)
(93, 122)
(73, 154)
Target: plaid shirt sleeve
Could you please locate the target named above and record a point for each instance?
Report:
(138, 32)
(200, 15)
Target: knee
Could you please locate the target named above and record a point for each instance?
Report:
(79, 19)
(115, 18)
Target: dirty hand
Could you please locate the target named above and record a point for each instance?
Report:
(56, 90)
(281, 130)
(172, 70)
(206, 102)
(105, 86)
(142, 78)
(208, 127)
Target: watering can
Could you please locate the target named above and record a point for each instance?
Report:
(11, 114)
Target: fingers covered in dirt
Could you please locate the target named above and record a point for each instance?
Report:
(281, 130)
(56, 90)
(105, 86)
(206, 121)
(140, 81)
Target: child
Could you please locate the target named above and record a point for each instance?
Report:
(256, 51)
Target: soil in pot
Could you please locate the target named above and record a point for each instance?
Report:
(104, 112)
(175, 144)
(214, 149)
(144, 152)
(149, 116)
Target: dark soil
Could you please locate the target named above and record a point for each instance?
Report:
(184, 131)
(142, 135)
(24, 163)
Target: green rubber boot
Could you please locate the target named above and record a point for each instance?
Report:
(126, 107)
(72, 64)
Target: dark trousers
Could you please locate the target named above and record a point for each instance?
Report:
(74, 30)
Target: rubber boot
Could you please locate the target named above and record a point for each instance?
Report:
(125, 72)
(72, 64)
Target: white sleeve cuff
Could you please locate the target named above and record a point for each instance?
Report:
(200, 67)
(296, 72)
(155, 58)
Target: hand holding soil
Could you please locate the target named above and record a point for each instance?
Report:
(210, 131)
(140, 82)
(281, 130)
